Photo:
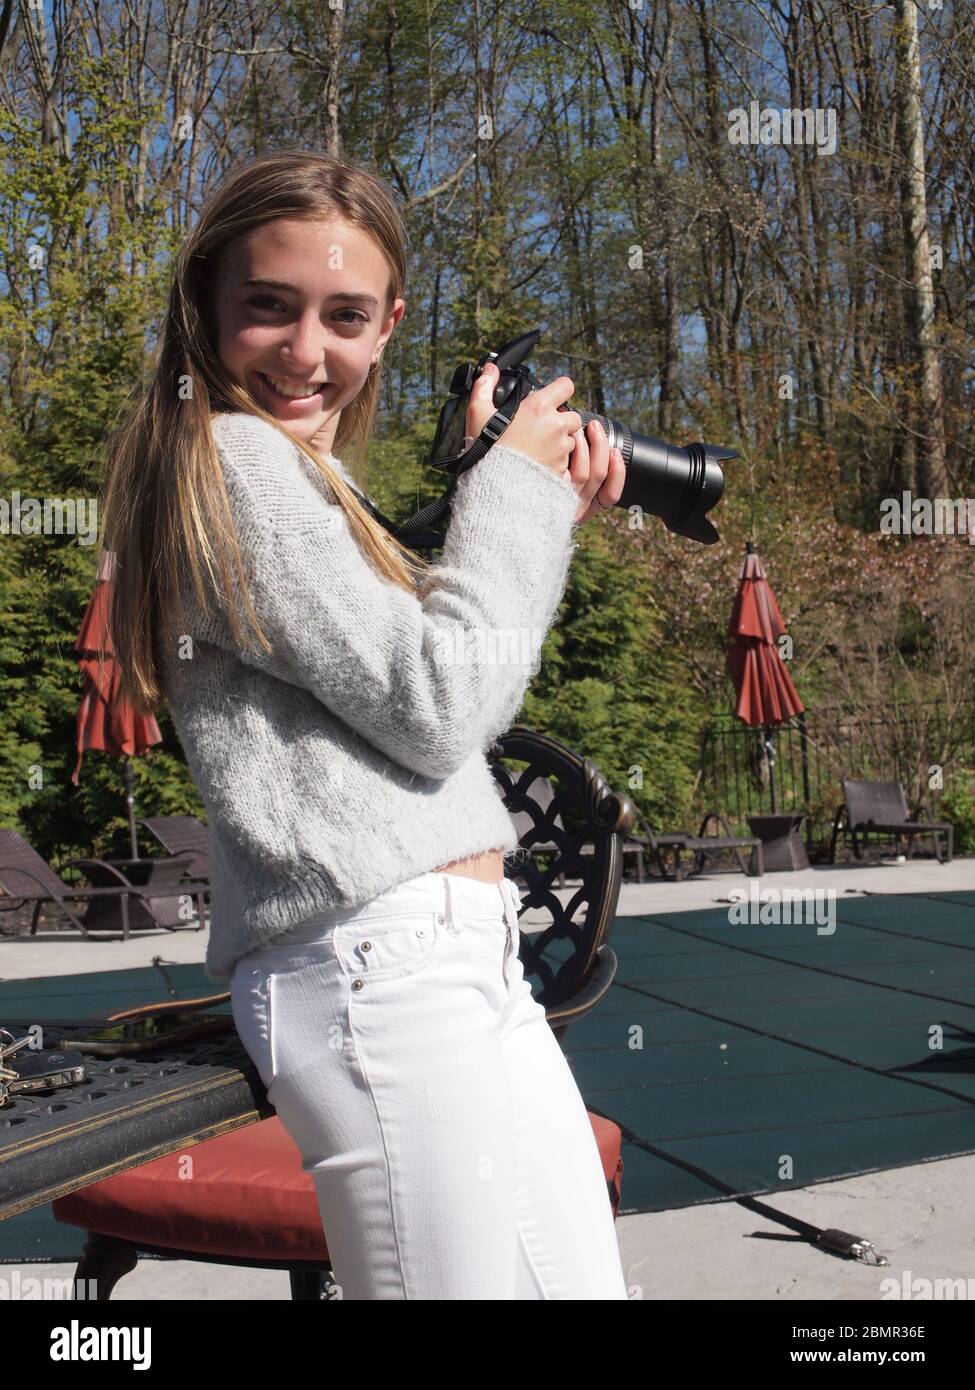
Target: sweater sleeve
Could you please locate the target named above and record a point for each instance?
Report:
(427, 678)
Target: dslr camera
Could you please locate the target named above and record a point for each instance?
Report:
(678, 485)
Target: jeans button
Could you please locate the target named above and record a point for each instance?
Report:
(357, 984)
(366, 946)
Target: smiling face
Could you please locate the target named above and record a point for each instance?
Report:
(318, 319)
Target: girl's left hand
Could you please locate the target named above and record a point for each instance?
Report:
(597, 472)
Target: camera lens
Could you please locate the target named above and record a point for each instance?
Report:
(678, 485)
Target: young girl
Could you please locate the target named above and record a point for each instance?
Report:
(335, 716)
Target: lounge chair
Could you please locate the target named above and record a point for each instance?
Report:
(183, 836)
(700, 845)
(27, 878)
(880, 808)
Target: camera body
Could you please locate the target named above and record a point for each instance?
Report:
(679, 485)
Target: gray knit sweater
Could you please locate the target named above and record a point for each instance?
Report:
(354, 756)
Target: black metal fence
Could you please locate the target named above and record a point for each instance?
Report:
(817, 748)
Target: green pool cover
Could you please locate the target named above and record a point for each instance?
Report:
(770, 1057)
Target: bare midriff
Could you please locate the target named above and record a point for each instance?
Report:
(488, 866)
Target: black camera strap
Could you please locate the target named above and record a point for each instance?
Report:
(486, 440)
(415, 531)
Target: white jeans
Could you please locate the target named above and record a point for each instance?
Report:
(404, 1052)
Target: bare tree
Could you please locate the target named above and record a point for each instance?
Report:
(932, 473)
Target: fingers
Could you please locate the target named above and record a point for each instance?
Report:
(547, 431)
(557, 392)
(612, 489)
(599, 471)
(590, 460)
(480, 406)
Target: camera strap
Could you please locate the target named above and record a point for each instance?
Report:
(486, 440)
(415, 531)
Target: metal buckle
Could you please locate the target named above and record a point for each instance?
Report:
(496, 426)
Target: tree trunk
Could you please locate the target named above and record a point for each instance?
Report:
(932, 473)
(330, 117)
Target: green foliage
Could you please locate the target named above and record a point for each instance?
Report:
(957, 804)
(610, 686)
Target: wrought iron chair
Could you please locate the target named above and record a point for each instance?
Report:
(580, 821)
(542, 794)
(528, 827)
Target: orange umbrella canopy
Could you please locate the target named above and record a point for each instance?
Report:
(766, 694)
(105, 722)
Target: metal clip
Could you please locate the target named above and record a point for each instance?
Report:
(866, 1252)
(855, 1247)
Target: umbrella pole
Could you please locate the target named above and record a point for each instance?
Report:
(128, 777)
(770, 753)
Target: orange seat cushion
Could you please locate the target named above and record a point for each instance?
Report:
(241, 1195)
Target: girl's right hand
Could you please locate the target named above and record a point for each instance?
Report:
(539, 429)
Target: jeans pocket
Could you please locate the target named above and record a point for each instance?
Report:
(390, 947)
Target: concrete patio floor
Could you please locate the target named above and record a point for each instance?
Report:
(919, 1217)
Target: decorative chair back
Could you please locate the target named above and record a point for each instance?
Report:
(562, 801)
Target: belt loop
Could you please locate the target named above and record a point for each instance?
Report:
(512, 900)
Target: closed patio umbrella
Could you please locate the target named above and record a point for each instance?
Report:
(766, 694)
(105, 721)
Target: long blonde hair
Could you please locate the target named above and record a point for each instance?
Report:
(163, 498)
